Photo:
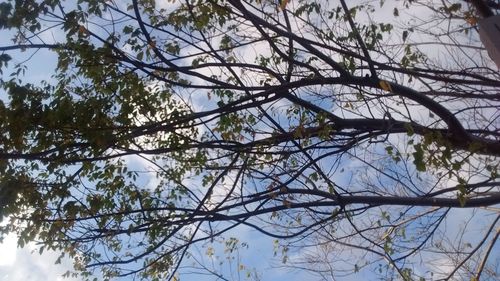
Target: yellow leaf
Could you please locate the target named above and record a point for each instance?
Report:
(82, 30)
(471, 20)
(283, 4)
(386, 86)
(287, 203)
(273, 195)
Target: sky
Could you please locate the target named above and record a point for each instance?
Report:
(258, 258)
(27, 264)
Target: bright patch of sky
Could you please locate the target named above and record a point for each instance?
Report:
(27, 265)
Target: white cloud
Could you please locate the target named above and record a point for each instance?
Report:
(27, 265)
(8, 250)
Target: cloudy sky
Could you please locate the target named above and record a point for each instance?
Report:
(23, 264)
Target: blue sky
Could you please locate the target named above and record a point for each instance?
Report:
(22, 264)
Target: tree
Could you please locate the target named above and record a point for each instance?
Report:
(167, 125)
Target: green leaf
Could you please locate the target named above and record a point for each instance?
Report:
(418, 158)
(405, 35)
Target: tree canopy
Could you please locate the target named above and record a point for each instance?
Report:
(365, 133)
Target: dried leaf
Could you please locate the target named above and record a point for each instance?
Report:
(386, 86)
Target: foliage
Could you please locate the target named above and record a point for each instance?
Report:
(167, 125)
